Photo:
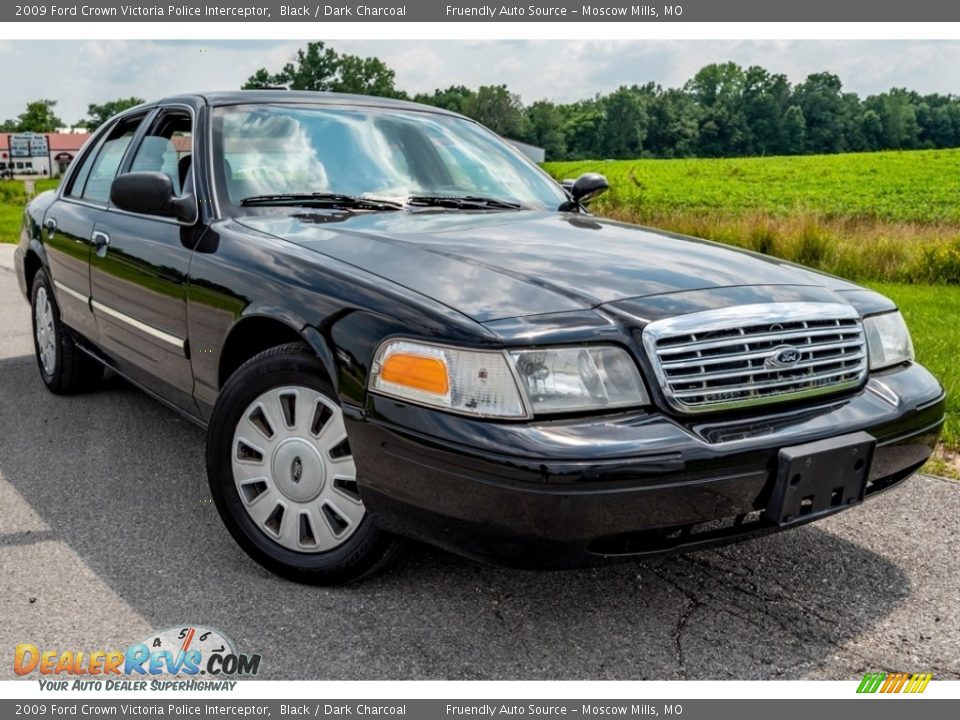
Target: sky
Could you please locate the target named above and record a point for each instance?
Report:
(77, 73)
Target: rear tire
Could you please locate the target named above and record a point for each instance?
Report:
(282, 476)
(64, 367)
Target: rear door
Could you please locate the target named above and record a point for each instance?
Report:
(70, 221)
(139, 270)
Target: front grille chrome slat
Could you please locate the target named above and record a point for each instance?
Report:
(756, 355)
(809, 364)
(853, 344)
(759, 387)
(779, 338)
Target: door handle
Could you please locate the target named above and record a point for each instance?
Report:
(101, 241)
(51, 224)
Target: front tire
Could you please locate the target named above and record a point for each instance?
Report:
(282, 474)
(64, 367)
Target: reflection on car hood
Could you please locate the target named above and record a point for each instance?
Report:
(493, 265)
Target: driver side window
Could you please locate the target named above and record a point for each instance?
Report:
(94, 177)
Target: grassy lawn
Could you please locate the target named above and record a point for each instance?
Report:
(46, 184)
(12, 199)
(888, 216)
(919, 186)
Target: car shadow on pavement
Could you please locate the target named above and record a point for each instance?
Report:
(120, 480)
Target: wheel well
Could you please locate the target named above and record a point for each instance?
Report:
(31, 264)
(251, 337)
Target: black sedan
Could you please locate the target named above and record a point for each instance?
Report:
(394, 325)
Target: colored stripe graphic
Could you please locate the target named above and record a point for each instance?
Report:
(894, 683)
(918, 683)
(871, 682)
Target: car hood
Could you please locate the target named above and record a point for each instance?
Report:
(495, 265)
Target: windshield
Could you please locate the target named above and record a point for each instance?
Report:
(369, 152)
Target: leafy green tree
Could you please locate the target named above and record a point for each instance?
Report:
(624, 125)
(366, 76)
(849, 123)
(497, 108)
(453, 98)
(545, 129)
(717, 89)
(871, 128)
(673, 127)
(39, 117)
(263, 79)
(898, 115)
(764, 97)
(794, 131)
(820, 97)
(939, 124)
(321, 68)
(582, 124)
(98, 114)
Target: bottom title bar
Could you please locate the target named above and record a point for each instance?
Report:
(875, 709)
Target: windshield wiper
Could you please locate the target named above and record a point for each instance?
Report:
(462, 202)
(332, 200)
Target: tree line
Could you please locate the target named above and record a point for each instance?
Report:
(40, 116)
(724, 110)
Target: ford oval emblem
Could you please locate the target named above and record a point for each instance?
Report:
(783, 357)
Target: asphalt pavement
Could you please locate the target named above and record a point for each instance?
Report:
(108, 532)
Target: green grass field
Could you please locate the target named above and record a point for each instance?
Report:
(913, 186)
(889, 216)
(12, 199)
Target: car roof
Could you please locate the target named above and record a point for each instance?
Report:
(238, 97)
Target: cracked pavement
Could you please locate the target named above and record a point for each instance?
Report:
(107, 532)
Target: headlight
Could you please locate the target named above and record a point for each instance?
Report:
(465, 381)
(574, 379)
(512, 384)
(888, 340)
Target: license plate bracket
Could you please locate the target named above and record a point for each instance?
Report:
(819, 478)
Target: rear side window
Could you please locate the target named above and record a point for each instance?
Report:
(93, 179)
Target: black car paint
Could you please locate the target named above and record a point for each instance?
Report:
(346, 281)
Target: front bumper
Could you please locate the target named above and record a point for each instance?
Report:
(580, 492)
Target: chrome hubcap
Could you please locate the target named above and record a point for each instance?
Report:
(46, 334)
(293, 469)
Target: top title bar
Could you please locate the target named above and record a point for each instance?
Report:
(443, 11)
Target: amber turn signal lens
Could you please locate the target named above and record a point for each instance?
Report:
(428, 374)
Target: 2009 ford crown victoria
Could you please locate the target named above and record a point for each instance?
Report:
(394, 325)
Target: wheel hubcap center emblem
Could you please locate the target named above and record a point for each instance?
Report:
(298, 469)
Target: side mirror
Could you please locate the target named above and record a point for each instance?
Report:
(150, 193)
(588, 186)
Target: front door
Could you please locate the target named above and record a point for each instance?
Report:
(139, 269)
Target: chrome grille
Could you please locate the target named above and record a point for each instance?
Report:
(756, 354)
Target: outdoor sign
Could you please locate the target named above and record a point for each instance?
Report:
(28, 145)
(19, 146)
